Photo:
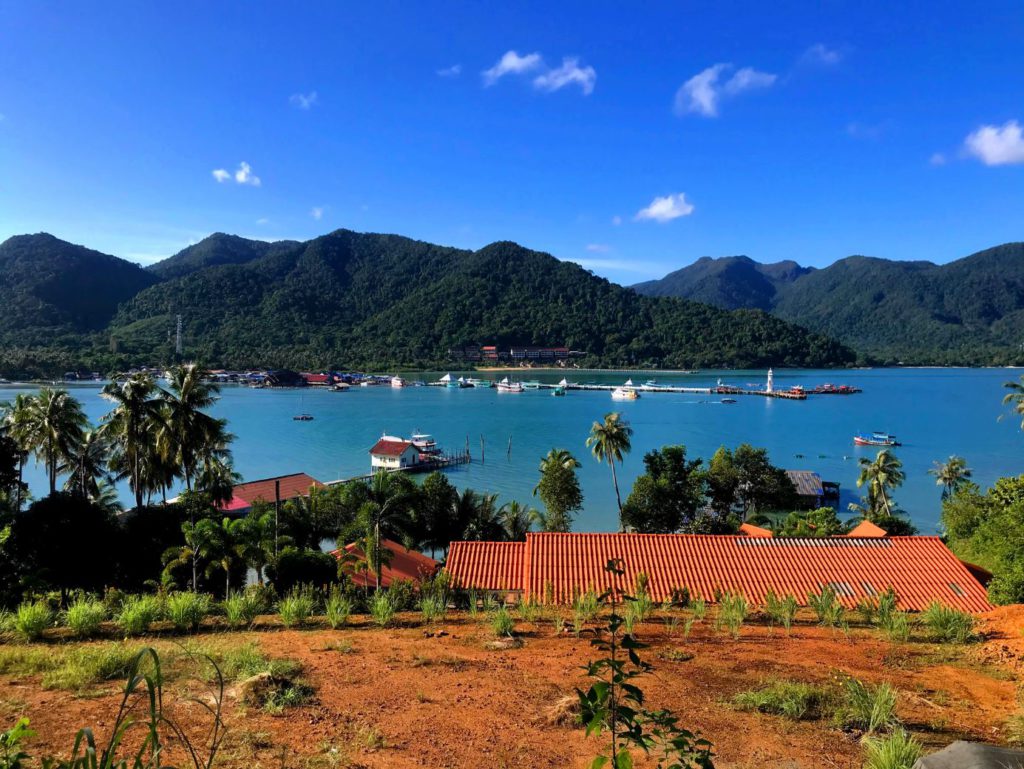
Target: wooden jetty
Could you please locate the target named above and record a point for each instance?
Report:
(439, 462)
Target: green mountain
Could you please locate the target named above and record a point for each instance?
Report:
(53, 289)
(216, 249)
(351, 299)
(970, 311)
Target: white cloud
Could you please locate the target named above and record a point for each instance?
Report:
(317, 212)
(244, 175)
(569, 73)
(616, 220)
(453, 71)
(665, 209)
(220, 174)
(748, 78)
(997, 145)
(703, 92)
(598, 248)
(937, 159)
(263, 220)
(512, 64)
(622, 265)
(869, 131)
(819, 53)
(303, 100)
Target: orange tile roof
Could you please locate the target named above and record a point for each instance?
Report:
(750, 530)
(390, 448)
(867, 529)
(404, 564)
(920, 569)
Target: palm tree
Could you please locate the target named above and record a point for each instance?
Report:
(485, 522)
(10, 410)
(191, 434)
(1015, 398)
(386, 514)
(557, 458)
(50, 425)
(609, 442)
(86, 468)
(881, 475)
(516, 519)
(951, 475)
(132, 428)
(214, 543)
(255, 540)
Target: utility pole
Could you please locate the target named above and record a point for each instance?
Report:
(177, 337)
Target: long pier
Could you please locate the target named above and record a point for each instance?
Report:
(437, 463)
(792, 395)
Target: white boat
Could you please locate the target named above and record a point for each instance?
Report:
(624, 394)
(340, 387)
(425, 443)
(485, 383)
(397, 381)
(504, 386)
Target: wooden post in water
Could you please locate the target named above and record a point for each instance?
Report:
(509, 454)
(483, 456)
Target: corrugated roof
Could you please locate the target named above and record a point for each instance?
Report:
(404, 564)
(920, 569)
(292, 486)
(487, 565)
(808, 483)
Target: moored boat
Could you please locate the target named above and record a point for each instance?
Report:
(397, 381)
(505, 386)
(558, 392)
(875, 439)
(625, 394)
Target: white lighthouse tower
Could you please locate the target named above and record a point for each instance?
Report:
(771, 385)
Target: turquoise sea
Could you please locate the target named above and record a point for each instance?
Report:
(934, 412)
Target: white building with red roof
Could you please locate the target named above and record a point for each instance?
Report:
(391, 453)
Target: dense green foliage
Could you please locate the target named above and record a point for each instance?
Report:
(352, 300)
(970, 311)
(987, 529)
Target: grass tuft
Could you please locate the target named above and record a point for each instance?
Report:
(85, 616)
(897, 751)
(790, 699)
(31, 619)
(946, 624)
(187, 610)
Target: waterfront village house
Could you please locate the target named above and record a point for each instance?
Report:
(860, 565)
(282, 487)
(391, 453)
(811, 491)
(400, 564)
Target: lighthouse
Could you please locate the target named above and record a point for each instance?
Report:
(770, 387)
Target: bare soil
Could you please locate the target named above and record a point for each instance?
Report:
(436, 697)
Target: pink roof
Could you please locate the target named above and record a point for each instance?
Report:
(919, 569)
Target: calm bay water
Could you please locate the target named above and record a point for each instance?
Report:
(935, 413)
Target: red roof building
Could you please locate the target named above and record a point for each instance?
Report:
(404, 564)
(393, 453)
(284, 487)
(919, 569)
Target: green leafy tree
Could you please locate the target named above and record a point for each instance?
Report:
(723, 480)
(49, 425)
(386, 513)
(822, 522)
(609, 441)
(760, 486)
(516, 519)
(436, 523)
(668, 495)
(951, 475)
(255, 539)
(559, 490)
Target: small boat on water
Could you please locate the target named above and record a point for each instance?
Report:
(875, 439)
(504, 386)
(625, 394)
(728, 400)
(341, 387)
(397, 381)
(558, 392)
(303, 417)
(425, 444)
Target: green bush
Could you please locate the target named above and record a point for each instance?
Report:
(897, 751)
(31, 619)
(629, 619)
(780, 611)
(732, 612)
(587, 605)
(886, 607)
(700, 609)
(896, 626)
(642, 604)
(85, 616)
(529, 611)
(187, 610)
(138, 613)
(297, 607)
(947, 624)
(403, 594)
(338, 608)
(432, 608)
(381, 608)
(868, 708)
(792, 699)
(241, 609)
(501, 622)
(868, 609)
(826, 606)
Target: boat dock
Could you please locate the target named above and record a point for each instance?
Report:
(439, 462)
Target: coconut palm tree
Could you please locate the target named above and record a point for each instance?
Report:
(880, 475)
(86, 467)
(190, 433)
(950, 475)
(485, 520)
(9, 411)
(609, 441)
(50, 425)
(516, 519)
(386, 514)
(209, 541)
(255, 539)
(1015, 399)
(131, 427)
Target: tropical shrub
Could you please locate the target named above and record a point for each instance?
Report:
(642, 604)
(85, 616)
(897, 751)
(31, 619)
(792, 699)
(137, 613)
(587, 604)
(501, 622)
(297, 606)
(699, 607)
(868, 708)
(338, 608)
(11, 754)
(382, 609)
(732, 612)
(947, 624)
(432, 608)
(780, 611)
(886, 606)
(529, 611)
(403, 594)
(868, 609)
(826, 606)
(187, 610)
(897, 626)
(241, 609)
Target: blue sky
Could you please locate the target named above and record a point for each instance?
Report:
(632, 138)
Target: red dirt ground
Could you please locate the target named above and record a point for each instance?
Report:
(402, 699)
